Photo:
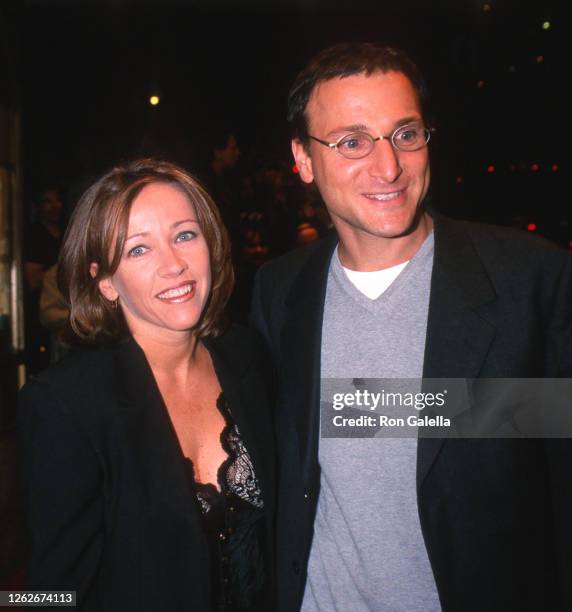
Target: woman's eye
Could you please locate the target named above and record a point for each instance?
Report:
(137, 251)
(185, 236)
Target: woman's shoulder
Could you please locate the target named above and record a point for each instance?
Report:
(82, 378)
(240, 349)
(238, 343)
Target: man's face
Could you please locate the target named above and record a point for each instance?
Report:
(378, 195)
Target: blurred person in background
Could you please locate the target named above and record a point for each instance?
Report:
(42, 240)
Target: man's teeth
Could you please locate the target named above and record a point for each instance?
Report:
(382, 197)
(175, 293)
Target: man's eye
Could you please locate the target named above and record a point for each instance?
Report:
(185, 236)
(137, 251)
(351, 143)
(409, 135)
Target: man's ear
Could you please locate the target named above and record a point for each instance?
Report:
(303, 161)
(105, 285)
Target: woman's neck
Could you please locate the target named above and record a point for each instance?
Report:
(172, 357)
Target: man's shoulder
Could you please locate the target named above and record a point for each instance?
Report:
(283, 270)
(500, 244)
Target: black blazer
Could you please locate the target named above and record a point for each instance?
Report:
(110, 510)
(495, 514)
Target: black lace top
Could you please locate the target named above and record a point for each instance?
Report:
(233, 522)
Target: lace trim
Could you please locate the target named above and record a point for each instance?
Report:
(235, 474)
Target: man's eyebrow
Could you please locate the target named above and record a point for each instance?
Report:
(355, 127)
(361, 127)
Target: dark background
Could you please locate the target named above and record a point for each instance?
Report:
(82, 74)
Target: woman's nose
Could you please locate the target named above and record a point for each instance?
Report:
(171, 264)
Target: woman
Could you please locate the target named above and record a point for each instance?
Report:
(148, 461)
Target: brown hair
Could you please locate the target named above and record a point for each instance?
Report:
(97, 233)
(347, 59)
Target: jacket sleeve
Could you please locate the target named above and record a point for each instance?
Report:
(560, 330)
(559, 451)
(257, 317)
(62, 482)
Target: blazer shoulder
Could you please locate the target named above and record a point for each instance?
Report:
(81, 380)
(289, 264)
(501, 235)
(509, 247)
(239, 346)
(279, 274)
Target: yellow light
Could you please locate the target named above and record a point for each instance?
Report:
(546, 25)
(154, 100)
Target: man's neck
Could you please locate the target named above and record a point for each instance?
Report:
(367, 253)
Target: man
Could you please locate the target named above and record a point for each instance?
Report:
(406, 524)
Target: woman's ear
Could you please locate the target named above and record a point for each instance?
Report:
(105, 285)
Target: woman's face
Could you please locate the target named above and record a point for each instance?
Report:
(163, 281)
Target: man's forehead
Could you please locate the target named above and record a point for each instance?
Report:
(345, 93)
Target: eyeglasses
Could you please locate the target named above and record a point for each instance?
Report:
(356, 145)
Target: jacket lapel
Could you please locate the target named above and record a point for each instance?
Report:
(458, 335)
(248, 402)
(300, 342)
(155, 449)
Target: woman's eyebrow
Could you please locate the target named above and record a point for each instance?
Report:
(177, 223)
(136, 235)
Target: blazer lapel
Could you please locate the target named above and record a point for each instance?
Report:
(154, 443)
(300, 342)
(246, 397)
(458, 336)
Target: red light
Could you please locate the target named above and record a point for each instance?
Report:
(459, 180)
(490, 169)
(531, 227)
(570, 244)
(554, 168)
(295, 169)
(480, 84)
(534, 167)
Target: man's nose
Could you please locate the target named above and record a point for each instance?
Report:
(384, 161)
(171, 263)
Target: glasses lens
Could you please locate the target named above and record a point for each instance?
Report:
(354, 146)
(410, 137)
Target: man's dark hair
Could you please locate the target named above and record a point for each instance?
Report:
(347, 59)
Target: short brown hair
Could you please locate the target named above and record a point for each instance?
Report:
(97, 233)
(347, 59)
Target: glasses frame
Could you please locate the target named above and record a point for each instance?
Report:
(391, 137)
